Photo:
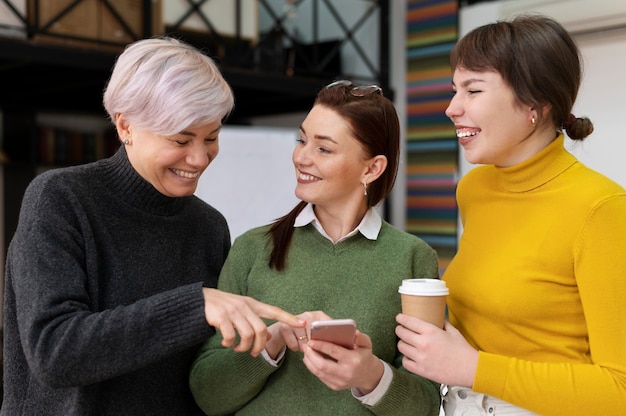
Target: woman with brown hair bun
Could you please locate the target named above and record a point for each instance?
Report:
(537, 287)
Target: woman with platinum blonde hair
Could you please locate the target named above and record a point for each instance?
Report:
(111, 274)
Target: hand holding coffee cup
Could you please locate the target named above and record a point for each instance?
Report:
(424, 299)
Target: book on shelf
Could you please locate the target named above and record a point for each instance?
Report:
(62, 146)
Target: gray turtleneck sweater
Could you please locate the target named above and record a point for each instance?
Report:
(103, 302)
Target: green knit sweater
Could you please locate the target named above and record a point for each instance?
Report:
(355, 278)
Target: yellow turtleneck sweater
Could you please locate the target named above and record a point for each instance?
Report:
(538, 285)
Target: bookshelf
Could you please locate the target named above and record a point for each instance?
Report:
(64, 139)
(36, 141)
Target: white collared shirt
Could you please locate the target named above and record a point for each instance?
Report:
(369, 225)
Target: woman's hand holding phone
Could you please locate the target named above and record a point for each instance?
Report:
(283, 335)
(342, 368)
(294, 338)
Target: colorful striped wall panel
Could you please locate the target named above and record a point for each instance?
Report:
(432, 148)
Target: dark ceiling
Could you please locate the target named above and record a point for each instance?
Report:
(57, 78)
(54, 70)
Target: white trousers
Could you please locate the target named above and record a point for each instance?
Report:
(461, 401)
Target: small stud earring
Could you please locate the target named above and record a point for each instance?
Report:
(126, 142)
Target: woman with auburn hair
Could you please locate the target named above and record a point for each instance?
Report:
(331, 256)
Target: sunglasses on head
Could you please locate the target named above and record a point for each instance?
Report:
(357, 90)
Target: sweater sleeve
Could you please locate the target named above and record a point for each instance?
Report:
(66, 340)
(595, 387)
(408, 394)
(222, 381)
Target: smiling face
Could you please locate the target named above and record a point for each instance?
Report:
(330, 163)
(172, 164)
(492, 126)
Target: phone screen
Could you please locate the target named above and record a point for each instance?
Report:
(337, 331)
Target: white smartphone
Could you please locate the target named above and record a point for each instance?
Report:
(337, 331)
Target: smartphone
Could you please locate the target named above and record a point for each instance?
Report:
(337, 331)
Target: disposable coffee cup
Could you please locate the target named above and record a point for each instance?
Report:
(424, 299)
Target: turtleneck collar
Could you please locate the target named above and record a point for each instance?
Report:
(546, 165)
(124, 182)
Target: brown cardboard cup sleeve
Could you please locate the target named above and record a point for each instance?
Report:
(424, 299)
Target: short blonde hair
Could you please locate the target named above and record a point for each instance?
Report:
(164, 85)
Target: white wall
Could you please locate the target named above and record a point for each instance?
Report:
(252, 181)
(397, 214)
(601, 97)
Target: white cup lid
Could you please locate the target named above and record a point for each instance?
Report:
(423, 287)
